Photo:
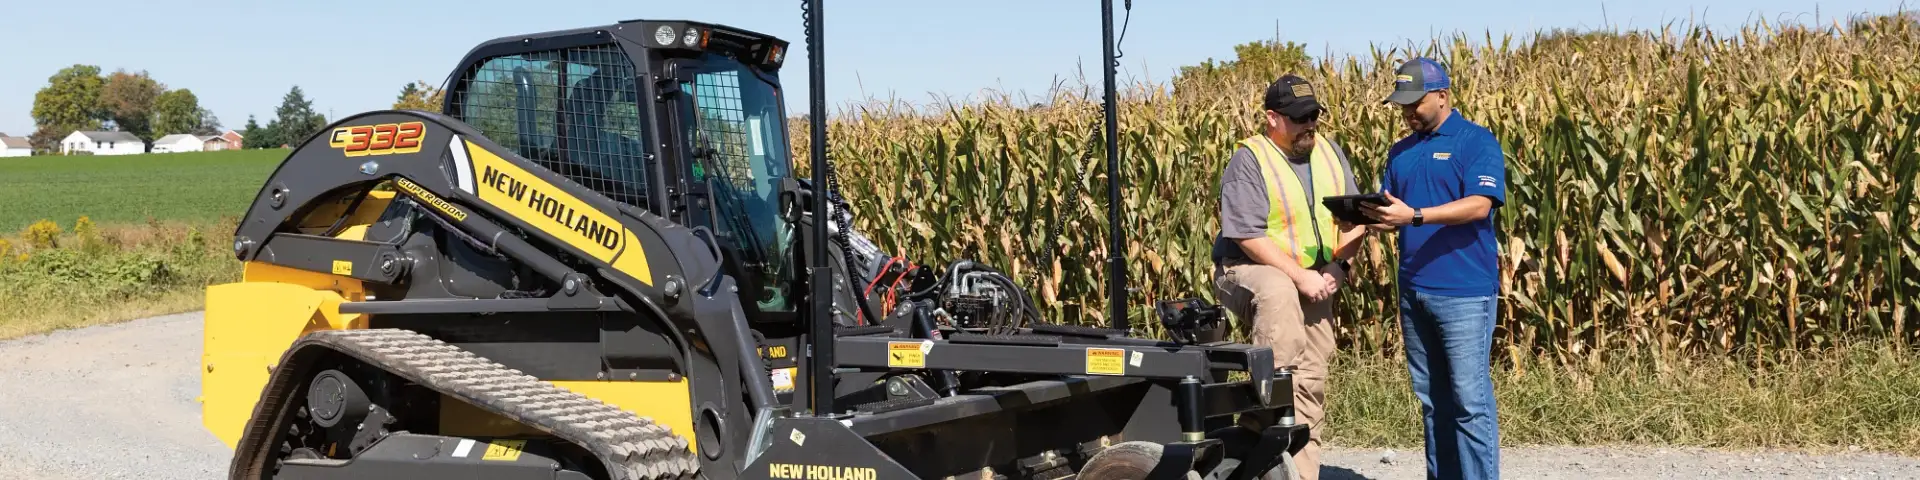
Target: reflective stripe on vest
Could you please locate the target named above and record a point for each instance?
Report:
(1288, 205)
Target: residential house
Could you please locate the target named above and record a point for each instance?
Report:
(179, 142)
(15, 146)
(214, 143)
(235, 140)
(102, 143)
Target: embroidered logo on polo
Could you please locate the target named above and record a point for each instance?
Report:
(1486, 181)
(1442, 155)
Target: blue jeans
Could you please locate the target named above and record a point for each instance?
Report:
(1449, 347)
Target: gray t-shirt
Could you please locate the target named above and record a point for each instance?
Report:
(1243, 199)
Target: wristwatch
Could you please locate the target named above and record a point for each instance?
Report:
(1418, 219)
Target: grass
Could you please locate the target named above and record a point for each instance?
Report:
(194, 186)
(1821, 400)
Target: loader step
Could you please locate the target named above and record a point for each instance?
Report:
(1024, 340)
(630, 447)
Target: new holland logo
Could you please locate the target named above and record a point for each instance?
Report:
(1442, 155)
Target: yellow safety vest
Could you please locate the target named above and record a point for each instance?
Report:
(1288, 207)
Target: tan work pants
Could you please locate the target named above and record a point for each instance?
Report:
(1269, 310)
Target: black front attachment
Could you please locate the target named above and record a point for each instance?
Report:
(820, 448)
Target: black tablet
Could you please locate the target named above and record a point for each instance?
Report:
(1352, 209)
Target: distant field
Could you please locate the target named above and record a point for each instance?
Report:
(131, 188)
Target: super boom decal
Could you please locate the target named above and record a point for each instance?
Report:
(544, 205)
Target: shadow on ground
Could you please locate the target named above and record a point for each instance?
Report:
(1340, 473)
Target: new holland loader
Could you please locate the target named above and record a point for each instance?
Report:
(596, 264)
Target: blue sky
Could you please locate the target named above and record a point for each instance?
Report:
(239, 58)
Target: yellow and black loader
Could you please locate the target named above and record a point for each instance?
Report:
(597, 264)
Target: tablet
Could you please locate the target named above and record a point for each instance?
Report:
(1352, 209)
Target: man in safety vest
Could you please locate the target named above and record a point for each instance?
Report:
(1280, 254)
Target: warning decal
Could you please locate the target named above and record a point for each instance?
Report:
(1106, 361)
(905, 355)
(507, 450)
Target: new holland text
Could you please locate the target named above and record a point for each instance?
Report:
(607, 236)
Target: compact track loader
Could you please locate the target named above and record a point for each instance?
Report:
(596, 264)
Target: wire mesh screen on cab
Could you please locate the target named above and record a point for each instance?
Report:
(574, 111)
(723, 127)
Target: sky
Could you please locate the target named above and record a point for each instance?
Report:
(241, 57)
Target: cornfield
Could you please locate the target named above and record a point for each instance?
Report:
(1672, 191)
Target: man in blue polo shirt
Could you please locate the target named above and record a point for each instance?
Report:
(1445, 180)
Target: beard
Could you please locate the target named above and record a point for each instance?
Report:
(1300, 146)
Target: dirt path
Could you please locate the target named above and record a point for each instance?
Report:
(117, 401)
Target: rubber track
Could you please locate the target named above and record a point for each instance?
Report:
(631, 447)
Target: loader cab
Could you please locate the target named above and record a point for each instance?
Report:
(680, 119)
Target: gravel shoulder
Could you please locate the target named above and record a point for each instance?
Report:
(113, 401)
(117, 401)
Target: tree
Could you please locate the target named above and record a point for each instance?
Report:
(293, 121)
(209, 124)
(1258, 63)
(420, 96)
(127, 99)
(176, 111)
(257, 136)
(69, 102)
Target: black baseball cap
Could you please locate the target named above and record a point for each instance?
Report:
(1292, 96)
(1415, 78)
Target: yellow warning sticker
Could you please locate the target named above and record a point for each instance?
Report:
(342, 267)
(905, 355)
(504, 450)
(1106, 361)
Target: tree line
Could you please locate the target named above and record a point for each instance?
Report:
(295, 119)
(82, 97)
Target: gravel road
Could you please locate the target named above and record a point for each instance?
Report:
(117, 401)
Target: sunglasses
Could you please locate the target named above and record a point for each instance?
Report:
(1310, 117)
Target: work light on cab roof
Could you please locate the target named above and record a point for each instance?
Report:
(762, 50)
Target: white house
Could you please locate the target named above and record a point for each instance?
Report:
(103, 143)
(15, 146)
(179, 142)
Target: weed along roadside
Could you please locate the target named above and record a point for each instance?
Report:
(85, 274)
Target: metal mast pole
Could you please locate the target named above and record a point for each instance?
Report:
(820, 331)
(1116, 249)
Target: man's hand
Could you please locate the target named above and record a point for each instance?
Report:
(1312, 284)
(1391, 215)
(1337, 275)
(1335, 278)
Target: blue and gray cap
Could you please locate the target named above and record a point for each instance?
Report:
(1415, 78)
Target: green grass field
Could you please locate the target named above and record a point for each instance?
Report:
(131, 188)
